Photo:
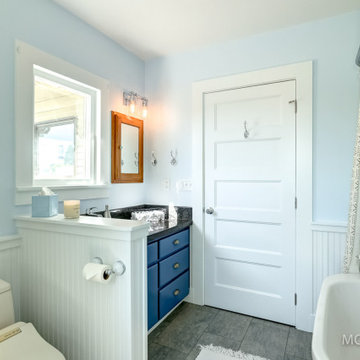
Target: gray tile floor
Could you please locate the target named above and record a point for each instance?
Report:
(178, 337)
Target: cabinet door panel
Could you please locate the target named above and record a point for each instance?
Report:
(173, 293)
(153, 310)
(152, 253)
(173, 243)
(173, 266)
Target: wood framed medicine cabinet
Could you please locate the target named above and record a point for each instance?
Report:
(127, 147)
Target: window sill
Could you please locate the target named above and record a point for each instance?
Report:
(79, 192)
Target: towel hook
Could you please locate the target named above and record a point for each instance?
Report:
(153, 159)
(246, 132)
(173, 160)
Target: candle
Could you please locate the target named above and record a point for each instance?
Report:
(71, 209)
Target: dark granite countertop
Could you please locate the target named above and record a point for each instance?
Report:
(166, 229)
(161, 230)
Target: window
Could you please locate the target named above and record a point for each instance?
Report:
(62, 121)
(64, 126)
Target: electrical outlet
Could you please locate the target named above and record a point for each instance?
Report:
(187, 185)
(165, 184)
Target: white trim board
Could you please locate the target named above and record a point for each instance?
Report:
(338, 226)
(10, 252)
(302, 74)
(9, 242)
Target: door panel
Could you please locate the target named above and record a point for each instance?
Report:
(266, 155)
(250, 182)
(226, 234)
(268, 194)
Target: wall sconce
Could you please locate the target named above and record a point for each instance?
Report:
(130, 99)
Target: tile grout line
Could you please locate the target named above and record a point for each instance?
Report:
(287, 339)
(186, 354)
(213, 317)
(207, 321)
(242, 340)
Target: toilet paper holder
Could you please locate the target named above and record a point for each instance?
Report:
(117, 269)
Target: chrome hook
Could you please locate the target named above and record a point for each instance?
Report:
(153, 160)
(173, 160)
(246, 132)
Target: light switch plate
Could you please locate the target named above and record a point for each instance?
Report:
(184, 185)
(165, 184)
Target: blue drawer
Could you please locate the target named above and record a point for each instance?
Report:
(174, 265)
(173, 293)
(173, 243)
(153, 312)
(152, 253)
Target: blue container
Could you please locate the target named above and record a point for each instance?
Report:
(44, 206)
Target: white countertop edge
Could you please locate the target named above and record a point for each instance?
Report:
(88, 222)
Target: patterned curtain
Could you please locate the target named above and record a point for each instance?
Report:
(352, 251)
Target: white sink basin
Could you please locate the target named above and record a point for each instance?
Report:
(337, 323)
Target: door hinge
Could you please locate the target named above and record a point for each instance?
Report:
(295, 299)
(295, 103)
(296, 203)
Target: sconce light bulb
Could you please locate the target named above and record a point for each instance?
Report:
(145, 112)
(132, 107)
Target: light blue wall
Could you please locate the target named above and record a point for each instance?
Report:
(47, 26)
(332, 45)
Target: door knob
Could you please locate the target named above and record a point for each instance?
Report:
(209, 210)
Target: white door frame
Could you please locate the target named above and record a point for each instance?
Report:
(302, 74)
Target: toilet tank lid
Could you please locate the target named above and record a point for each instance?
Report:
(4, 286)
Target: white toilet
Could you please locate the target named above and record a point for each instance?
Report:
(20, 341)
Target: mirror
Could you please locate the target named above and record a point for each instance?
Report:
(127, 149)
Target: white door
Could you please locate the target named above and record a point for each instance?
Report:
(250, 168)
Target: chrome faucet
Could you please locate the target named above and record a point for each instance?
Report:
(90, 211)
(107, 213)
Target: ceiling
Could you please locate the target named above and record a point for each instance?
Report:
(151, 28)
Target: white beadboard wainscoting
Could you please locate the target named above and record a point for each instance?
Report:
(92, 321)
(83, 319)
(10, 266)
(328, 247)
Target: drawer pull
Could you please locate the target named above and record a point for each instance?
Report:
(176, 266)
(176, 292)
(176, 242)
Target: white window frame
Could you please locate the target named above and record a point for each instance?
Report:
(26, 57)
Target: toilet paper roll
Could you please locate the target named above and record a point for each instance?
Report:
(100, 273)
